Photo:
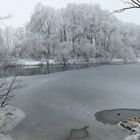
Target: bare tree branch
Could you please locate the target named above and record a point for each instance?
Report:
(132, 4)
(3, 103)
(128, 2)
(6, 89)
(136, 2)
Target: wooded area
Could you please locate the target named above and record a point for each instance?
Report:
(77, 32)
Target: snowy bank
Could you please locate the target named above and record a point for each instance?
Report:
(9, 118)
(133, 127)
(117, 60)
(29, 62)
(133, 137)
(138, 60)
(5, 137)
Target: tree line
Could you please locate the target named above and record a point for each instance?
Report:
(78, 32)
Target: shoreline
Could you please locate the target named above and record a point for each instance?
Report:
(71, 64)
(29, 70)
(10, 117)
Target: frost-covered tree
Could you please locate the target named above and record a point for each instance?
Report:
(7, 86)
(20, 43)
(4, 58)
(63, 52)
(8, 36)
(42, 24)
(79, 32)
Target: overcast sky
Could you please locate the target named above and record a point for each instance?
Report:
(21, 10)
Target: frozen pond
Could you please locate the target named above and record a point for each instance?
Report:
(114, 116)
(57, 102)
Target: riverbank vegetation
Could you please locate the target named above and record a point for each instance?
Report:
(78, 33)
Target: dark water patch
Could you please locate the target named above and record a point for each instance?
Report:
(114, 116)
(21, 70)
(39, 70)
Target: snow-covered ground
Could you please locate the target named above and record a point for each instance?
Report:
(5, 137)
(29, 62)
(138, 60)
(10, 117)
(135, 126)
(133, 137)
(117, 60)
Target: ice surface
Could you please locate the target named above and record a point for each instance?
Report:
(66, 100)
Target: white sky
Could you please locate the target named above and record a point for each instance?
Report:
(21, 10)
